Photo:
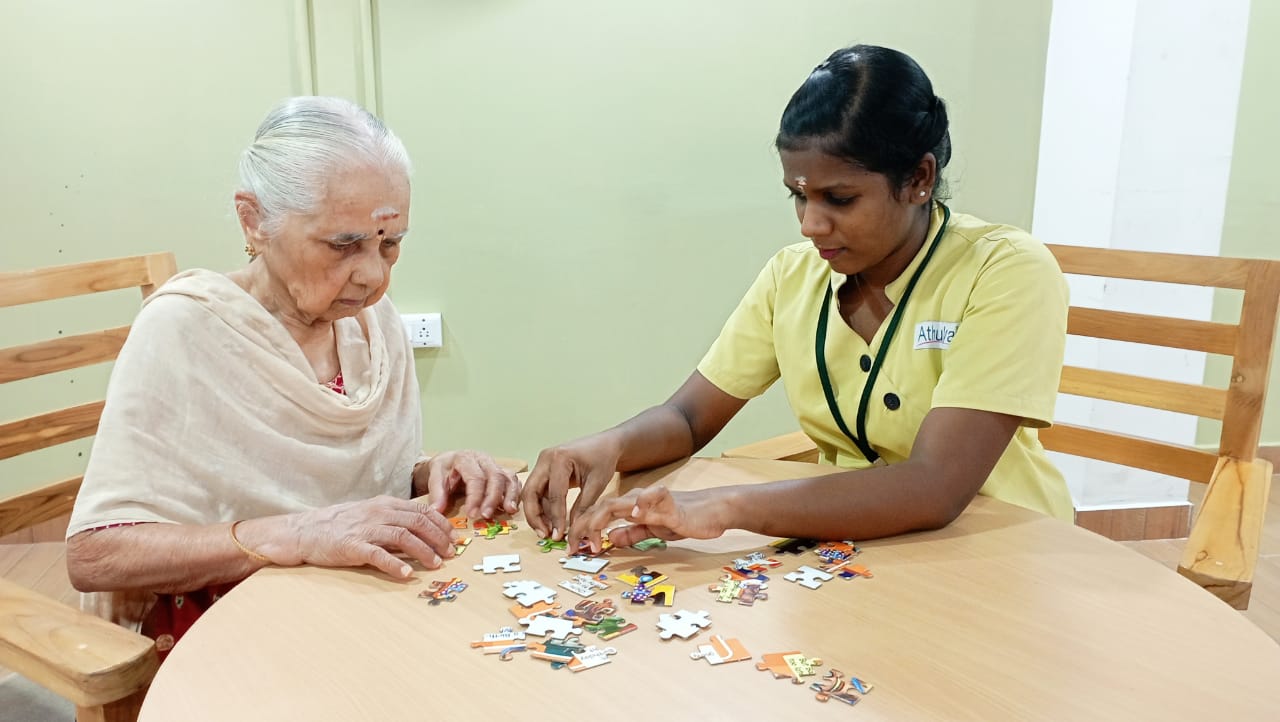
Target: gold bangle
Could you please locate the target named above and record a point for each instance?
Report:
(249, 552)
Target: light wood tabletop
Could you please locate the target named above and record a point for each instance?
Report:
(1003, 615)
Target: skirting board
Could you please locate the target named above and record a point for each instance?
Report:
(1168, 521)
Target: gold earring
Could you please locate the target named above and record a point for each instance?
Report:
(250, 251)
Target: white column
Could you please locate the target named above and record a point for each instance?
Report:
(1135, 152)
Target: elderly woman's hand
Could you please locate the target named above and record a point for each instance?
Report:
(486, 488)
(364, 532)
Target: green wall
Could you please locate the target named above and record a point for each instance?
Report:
(595, 185)
(1253, 204)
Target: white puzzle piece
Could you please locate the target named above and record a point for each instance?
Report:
(551, 627)
(807, 576)
(584, 563)
(682, 624)
(499, 562)
(591, 657)
(528, 592)
(583, 585)
(721, 650)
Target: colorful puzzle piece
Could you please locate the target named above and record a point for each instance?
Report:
(588, 611)
(443, 590)
(494, 563)
(783, 665)
(645, 545)
(492, 528)
(834, 686)
(523, 614)
(721, 651)
(548, 544)
(744, 591)
(584, 563)
(807, 576)
(460, 545)
(682, 624)
(611, 627)
(558, 654)
(833, 552)
(528, 592)
(458, 522)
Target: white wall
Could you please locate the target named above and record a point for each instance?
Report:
(1135, 152)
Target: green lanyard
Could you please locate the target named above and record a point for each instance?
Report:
(820, 351)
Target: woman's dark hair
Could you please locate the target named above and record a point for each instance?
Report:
(873, 107)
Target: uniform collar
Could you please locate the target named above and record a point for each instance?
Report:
(895, 287)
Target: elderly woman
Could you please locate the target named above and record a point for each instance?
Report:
(271, 415)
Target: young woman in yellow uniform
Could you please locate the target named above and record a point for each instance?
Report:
(919, 348)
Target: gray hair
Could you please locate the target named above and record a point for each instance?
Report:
(303, 140)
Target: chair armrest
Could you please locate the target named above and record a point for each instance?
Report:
(1222, 550)
(788, 447)
(78, 656)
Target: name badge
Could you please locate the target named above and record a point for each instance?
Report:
(935, 334)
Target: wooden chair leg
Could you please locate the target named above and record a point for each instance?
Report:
(122, 710)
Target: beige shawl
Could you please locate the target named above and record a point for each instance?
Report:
(213, 414)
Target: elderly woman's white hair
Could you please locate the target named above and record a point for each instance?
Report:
(304, 139)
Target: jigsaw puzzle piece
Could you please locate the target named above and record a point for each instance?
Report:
(584, 585)
(584, 563)
(499, 562)
(807, 576)
(591, 657)
(682, 624)
(721, 651)
(555, 628)
(794, 546)
(528, 592)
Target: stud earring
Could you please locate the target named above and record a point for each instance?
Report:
(250, 251)
(922, 194)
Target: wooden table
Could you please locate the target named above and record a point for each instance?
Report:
(1004, 615)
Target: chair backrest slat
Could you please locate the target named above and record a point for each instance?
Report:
(51, 429)
(77, 279)
(61, 354)
(1194, 399)
(1247, 392)
(1184, 462)
(1186, 334)
(28, 509)
(1212, 271)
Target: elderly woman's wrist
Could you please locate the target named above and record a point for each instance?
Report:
(273, 539)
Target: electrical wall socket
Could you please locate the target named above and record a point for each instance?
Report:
(424, 329)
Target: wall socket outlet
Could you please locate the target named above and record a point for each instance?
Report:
(424, 329)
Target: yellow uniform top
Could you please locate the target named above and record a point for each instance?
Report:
(984, 328)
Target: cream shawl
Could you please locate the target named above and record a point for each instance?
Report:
(213, 414)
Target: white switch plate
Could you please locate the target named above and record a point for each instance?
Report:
(424, 329)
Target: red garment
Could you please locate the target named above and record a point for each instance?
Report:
(174, 614)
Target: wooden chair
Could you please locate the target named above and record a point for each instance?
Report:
(1222, 548)
(102, 668)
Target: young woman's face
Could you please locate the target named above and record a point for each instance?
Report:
(857, 220)
(338, 260)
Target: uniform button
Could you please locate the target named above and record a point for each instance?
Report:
(892, 402)
(865, 362)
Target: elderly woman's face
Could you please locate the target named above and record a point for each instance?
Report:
(338, 260)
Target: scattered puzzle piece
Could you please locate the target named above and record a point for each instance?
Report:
(645, 545)
(528, 592)
(833, 552)
(584, 563)
(611, 627)
(460, 545)
(591, 657)
(800, 665)
(458, 522)
(548, 544)
(443, 590)
(682, 624)
(807, 576)
(524, 613)
(584, 585)
(641, 575)
(503, 643)
(794, 546)
(721, 651)
(556, 628)
(499, 562)
(588, 611)
(744, 591)
(557, 653)
(782, 665)
(836, 687)
(491, 528)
